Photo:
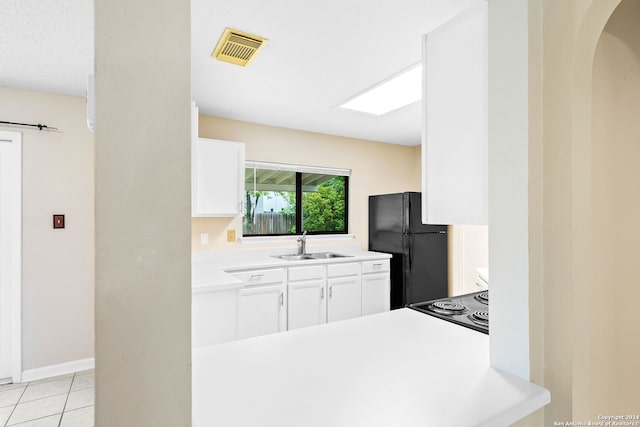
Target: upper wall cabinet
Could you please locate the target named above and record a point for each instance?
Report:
(454, 136)
(217, 178)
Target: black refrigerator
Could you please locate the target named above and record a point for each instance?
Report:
(419, 270)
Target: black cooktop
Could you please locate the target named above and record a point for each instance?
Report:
(469, 310)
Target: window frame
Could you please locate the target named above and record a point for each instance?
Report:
(299, 170)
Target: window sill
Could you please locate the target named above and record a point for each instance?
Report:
(293, 238)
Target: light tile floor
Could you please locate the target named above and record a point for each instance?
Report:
(64, 401)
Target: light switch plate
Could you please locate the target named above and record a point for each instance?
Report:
(204, 239)
(231, 235)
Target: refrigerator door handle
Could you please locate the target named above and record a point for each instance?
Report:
(410, 237)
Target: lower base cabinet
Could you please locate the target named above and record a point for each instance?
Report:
(344, 298)
(261, 302)
(375, 294)
(376, 287)
(278, 299)
(261, 310)
(307, 303)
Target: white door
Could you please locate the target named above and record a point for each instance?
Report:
(261, 310)
(344, 298)
(375, 293)
(307, 303)
(10, 255)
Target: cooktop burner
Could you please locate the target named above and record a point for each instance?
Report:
(483, 297)
(480, 317)
(470, 310)
(447, 307)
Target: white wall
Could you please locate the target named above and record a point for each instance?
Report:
(58, 264)
(508, 185)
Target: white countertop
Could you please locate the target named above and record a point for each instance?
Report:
(208, 268)
(400, 368)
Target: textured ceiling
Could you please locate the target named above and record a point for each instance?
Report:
(46, 45)
(319, 54)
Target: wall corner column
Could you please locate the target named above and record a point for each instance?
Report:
(143, 215)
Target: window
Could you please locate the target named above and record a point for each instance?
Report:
(288, 199)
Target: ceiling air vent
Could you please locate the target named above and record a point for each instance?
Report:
(237, 47)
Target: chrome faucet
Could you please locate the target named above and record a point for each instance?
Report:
(302, 243)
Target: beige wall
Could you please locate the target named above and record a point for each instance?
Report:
(586, 182)
(615, 212)
(376, 168)
(57, 272)
(143, 215)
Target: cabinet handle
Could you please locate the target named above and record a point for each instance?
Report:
(282, 299)
(330, 291)
(255, 277)
(321, 293)
(377, 266)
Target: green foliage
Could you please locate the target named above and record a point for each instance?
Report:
(324, 210)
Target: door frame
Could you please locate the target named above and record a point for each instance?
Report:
(13, 257)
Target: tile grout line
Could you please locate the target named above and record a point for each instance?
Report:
(16, 405)
(67, 399)
(73, 376)
(33, 419)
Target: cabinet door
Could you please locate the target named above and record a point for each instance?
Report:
(213, 317)
(344, 298)
(307, 303)
(261, 310)
(455, 140)
(217, 178)
(376, 296)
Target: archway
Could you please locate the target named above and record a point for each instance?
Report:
(604, 149)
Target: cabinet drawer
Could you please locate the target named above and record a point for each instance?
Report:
(306, 273)
(259, 277)
(347, 269)
(375, 266)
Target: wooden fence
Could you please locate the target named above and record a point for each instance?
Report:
(270, 223)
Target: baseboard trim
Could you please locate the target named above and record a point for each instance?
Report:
(59, 369)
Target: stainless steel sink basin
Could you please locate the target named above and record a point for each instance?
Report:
(294, 257)
(317, 255)
(327, 255)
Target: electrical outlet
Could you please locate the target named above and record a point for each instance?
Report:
(204, 239)
(231, 235)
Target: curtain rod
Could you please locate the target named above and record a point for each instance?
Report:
(39, 126)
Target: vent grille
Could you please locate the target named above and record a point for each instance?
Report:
(237, 47)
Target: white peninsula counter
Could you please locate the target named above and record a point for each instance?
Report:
(399, 368)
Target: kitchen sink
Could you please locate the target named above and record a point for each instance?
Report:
(327, 255)
(317, 255)
(294, 257)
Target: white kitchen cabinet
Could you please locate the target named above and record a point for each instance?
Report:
(261, 302)
(217, 178)
(213, 317)
(376, 287)
(454, 137)
(343, 291)
(261, 310)
(276, 299)
(307, 296)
